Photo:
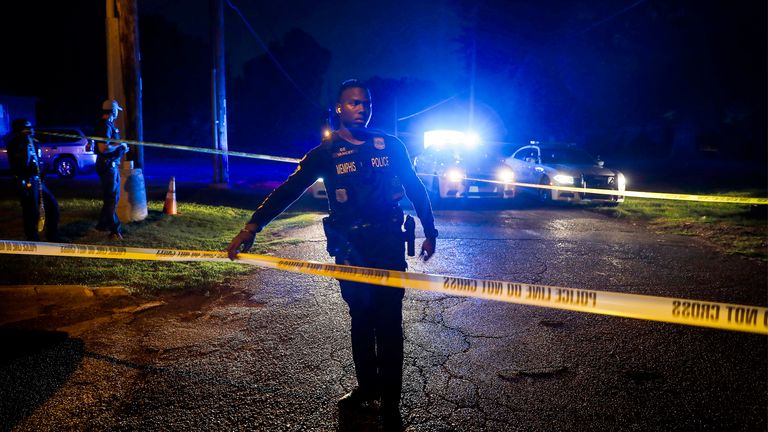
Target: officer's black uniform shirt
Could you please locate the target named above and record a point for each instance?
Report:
(22, 156)
(105, 128)
(364, 181)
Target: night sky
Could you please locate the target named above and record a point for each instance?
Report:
(636, 78)
(393, 39)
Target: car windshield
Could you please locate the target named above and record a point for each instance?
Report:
(566, 156)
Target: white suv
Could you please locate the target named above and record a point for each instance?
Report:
(66, 156)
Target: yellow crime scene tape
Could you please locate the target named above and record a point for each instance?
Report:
(178, 147)
(724, 316)
(636, 194)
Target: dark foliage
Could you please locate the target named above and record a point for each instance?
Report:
(650, 78)
(270, 113)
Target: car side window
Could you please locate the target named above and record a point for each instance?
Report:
(43, 138)
(522, 154)
(527, 155)
(60, 140)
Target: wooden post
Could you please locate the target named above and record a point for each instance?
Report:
(124, 82)
(131, 67)
(219, 95)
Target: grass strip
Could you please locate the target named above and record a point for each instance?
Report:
(196, 227)
(732, 228)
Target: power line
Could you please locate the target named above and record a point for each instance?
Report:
(604, 20)
(271, 57)
(427, 108)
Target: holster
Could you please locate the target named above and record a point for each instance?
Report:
(336, 237)
(409, 235)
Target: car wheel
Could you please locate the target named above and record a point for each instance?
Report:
(65, 167)
(545, 195)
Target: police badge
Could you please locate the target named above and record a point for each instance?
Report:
(341, 195)
(378, 143)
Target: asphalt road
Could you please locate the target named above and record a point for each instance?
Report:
(271, 351)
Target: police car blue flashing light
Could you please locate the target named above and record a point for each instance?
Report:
(454, 165)
(442, 138)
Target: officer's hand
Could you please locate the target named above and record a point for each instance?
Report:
(428, 248)
(242, 242)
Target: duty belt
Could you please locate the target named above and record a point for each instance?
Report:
(339, 233)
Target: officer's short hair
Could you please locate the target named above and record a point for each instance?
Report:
(352, 83)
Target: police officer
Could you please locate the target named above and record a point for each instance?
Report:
(366, 174)
(24, 159)
(108, 154)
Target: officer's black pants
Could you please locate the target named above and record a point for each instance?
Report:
(29, 197)
(110, 189)
(377, 318)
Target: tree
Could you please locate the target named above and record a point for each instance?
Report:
(177, 97)
(279, 111)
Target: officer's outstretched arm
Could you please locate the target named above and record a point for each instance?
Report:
(242, 241)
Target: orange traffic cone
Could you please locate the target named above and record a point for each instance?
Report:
(169, 207)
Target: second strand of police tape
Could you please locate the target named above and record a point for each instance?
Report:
(725, 316)
(637, 194)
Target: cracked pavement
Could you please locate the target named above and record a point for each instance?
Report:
(271, 351)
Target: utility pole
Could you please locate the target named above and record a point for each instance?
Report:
(219, 95)
(124, 85)
(472, 76)
(131, 55)
(115, 88)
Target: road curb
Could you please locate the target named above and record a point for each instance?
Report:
(21, 291)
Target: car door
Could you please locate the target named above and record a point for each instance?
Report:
(537, 165)
(525, 159)
(516, 164)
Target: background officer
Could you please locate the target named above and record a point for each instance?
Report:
(24, 159)
(108, 156)
(366, 173)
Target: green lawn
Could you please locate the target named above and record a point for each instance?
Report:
(733, 228)
(196, 227)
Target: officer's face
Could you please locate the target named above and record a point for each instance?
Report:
(354, 107)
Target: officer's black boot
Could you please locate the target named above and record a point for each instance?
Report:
(391, 420)
(357, 399)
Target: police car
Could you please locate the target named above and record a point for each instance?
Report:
(569, 166)
(317, 190)
(456, 165)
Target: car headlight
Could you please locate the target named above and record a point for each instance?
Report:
(622, 181)
(455, 175)
(506, 175)
(564, 179)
